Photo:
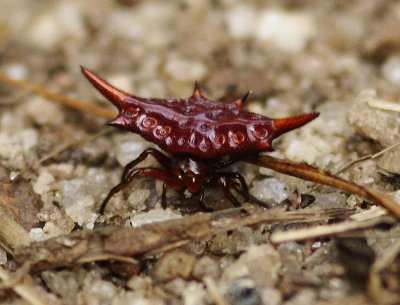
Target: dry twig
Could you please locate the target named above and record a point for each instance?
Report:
(69, 102)
(326, 230)
(153, 238)
(307, 172)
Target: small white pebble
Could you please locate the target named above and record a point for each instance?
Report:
(269, 190)
(51, 28)
(138, 198)
(42, 184)
(36, 233)
(16, 71)
(50, 229)
(128, 147)
(240, 20)
(185, 70)
(29, 138)
(81, 211)
(13, 175)
(288, 31)
(391, 69)
(352, 201)
(44, 112)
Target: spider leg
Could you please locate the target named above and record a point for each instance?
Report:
(156, 173)
(242, 188)
(225, 183)
(201, 200)
(226, 163)
(233, 176)
(247, 196)
(164, 195)
(159, 156)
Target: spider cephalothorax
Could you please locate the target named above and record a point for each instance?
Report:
(202, 136)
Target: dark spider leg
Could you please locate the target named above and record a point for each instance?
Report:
(164, 195)
(201, 200)
(244, 191)
(233, 176)
(224, 182)
(226, 163)
(247, 196)
(156, 173)
(159, 156)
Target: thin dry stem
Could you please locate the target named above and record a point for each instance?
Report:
(325, 230)
(70, 102)
(307, 172)
(364, 158)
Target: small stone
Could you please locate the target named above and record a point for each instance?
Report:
(240, 20)
(29, 139)
(391, 69)
(185, 70)
(260, 264)
(97, 291)
(243, 293)
(195, 294)
(291, 249)
(50, 29)
(61, 170)
(50, 229)
(121, 23)
(271, 296)
(138, 199)
(62, 283)
(176, 286)
(36, 233)
(44, 112)
(353, 201)
(174, 264)
(206, 266)
(378, 125)
(288, 31)
(237, 241)
(389, 161)
(43, 183)
(81, 212)
(269, 190)
(140, 283)
(128, 147)
(15, 71)
(302, 150)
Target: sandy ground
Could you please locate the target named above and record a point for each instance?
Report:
(340, 58)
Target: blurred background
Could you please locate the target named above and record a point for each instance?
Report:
(295, 57)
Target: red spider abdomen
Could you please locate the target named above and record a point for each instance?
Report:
(196, 127)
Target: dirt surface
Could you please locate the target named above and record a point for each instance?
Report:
(57, 164)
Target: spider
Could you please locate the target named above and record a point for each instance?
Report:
(201, 135)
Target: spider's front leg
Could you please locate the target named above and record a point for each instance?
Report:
(159, 156)
(156, 173)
